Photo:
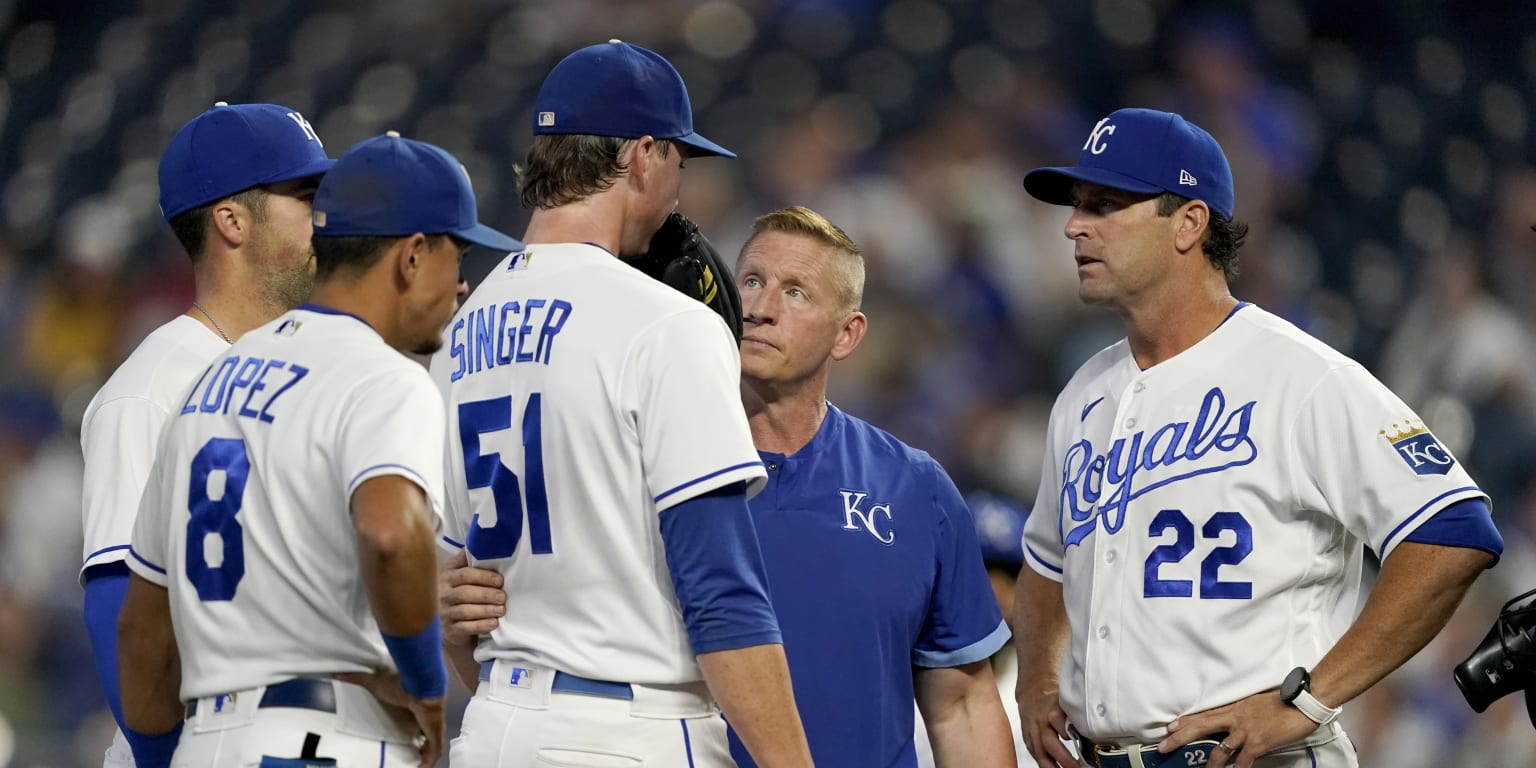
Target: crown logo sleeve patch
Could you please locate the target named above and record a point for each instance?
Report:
(1418, 447)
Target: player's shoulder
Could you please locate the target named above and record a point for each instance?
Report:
(866, 439)
(582, 272)
(1283, 343)
(1102, 364)
(162, 366)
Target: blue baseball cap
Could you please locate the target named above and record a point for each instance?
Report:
(619, 89)
(1147, 152)
(999, 527)
(233, 147)
(387, 186)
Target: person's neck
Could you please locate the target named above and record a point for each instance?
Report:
(784, 420)
(230, 305)
(1162, 328)
(596, 219)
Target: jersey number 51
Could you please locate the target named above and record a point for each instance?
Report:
(482, 470)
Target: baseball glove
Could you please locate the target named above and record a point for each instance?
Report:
(681, 257)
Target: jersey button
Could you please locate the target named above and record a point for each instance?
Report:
(1103, 632)
(1139, 386)
(1130, 423)
(772, 466)
(1100, 710)
(1109, 557)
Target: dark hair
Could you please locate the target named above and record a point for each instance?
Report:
(355, 255)
(191, 226)
(566, 168)
(1223, 236)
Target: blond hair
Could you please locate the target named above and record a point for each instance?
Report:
(847, 265)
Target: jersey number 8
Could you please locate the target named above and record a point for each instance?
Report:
(487, 470)
(217, 516)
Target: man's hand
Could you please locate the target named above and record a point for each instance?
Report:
(428, 713)
(1255, 727)
(1045, 730)
(470, 599)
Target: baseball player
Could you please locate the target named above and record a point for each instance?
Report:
(872, 555)
(235, 186)
(288, 530)
(1195, 551)
(601, 462)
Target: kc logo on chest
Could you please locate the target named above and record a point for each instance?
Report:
(1100, 484)
(857, 517)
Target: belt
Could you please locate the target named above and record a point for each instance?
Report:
(298, 693)
(1194, 753)
(568, 683)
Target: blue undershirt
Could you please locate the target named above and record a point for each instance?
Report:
(717, 570)
(1467, 523)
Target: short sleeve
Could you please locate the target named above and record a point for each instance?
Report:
(685, 373)
(1043, 548)
(1360, 455)
(394, 424)
(149, 555)
(118, 443)
(964, 623)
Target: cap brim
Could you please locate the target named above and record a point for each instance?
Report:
(699, 146)
(316, 168)
(1054, 185)
(482, 235)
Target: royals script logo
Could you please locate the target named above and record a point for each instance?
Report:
(1100, 485)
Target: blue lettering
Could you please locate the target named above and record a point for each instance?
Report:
(1084, 471)
(526, 328)
(245, 407)
(457, 350)
(483, 346)
(242, 379)
(504, 355)
(559, 311)
(216, 388)
(187, 407)
(298, 372)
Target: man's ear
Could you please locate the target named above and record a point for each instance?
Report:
(408, 255)
(1193, 219)
(231, 222)
(850, 335)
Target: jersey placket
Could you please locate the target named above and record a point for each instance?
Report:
(1108, 615)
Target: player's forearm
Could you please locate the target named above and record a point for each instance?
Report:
(1419, 588)
(1040, 621)
(148, 660)
(964, 716)
(397, 554)
(461, 659)
(751, 685)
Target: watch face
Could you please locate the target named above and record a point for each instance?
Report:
(1294, 683)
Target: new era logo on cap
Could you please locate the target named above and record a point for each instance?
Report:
(1146, 152)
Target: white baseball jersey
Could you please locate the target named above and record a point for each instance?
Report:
(122, 425)
(583, 399)
(1206, 517)
(246, 519)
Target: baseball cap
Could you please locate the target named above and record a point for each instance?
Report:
(388, 186)
(999, 527)
(1144, 151)
(619, 89)
(233, 147)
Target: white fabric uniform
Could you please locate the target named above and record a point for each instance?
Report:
(246, 519)
(1206, 517)
(584, 398)
(122, 425)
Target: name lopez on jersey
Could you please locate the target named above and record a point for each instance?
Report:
(1215, 441)
(221, 384)
(513, 332)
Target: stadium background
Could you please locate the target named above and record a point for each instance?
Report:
(1383, 153)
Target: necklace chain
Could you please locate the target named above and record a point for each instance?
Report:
(216, 327)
